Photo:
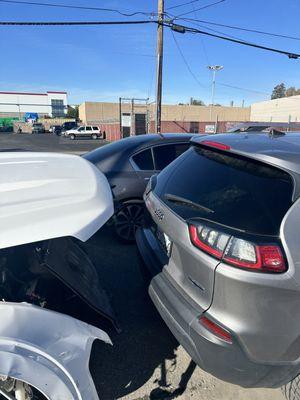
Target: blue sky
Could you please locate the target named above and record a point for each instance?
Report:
(103, 63)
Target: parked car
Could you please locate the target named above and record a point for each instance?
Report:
(222, 250)
(56, 130)
(128, 165)
(92, 132)
(42, 262)
(38, 128)
(66, 126)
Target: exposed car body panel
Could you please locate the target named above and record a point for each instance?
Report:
(48, 350)
(45, 196)
(69, 262)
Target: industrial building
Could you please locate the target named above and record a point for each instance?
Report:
(138, 117)
(286, 109)
(17, 104)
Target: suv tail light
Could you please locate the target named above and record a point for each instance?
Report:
(236, 251)
(209, 240)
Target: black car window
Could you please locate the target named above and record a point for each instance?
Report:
(144, 160)
(164, 155)
(239, 192)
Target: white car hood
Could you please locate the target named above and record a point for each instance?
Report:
(47, 195)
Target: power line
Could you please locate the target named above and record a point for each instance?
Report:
(243, 89)
(241, 29)
(77, 7)
(186, 62)
(183, 4)
(215, 31)
(74, 23)
(219, 84)
(242, 42)
(199, 9)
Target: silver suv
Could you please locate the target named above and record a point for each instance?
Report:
(222, 249)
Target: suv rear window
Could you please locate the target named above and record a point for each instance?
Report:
(164, 155)
(234, 191)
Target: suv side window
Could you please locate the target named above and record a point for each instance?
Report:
(164, 155)
(95, 128)
(144, 160)
(88, 128)
(81, 129)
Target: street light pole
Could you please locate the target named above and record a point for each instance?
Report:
(214, 69)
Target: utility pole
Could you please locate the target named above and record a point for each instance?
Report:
(159, 51)
(120, 116)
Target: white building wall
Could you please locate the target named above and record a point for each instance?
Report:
(21, 103)
(286, 109)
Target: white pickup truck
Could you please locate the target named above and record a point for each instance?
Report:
(84, 131)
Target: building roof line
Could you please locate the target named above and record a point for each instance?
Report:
(51, 91)
(33, 94)
(25, 93)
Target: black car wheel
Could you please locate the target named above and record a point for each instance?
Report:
(127, 220)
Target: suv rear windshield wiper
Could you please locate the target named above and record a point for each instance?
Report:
(186, 202)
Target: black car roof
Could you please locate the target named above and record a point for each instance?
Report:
(151, 137)
(119, 152)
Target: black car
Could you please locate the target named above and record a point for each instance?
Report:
(128, 165)
(68, 125)
(56, 130)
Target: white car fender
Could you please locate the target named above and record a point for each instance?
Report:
(48, 350)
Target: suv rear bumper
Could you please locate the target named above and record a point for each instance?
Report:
(226, 361)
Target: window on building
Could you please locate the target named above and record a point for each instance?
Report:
(144, 160)
(58, 108)
(194, 127)
(164, 155)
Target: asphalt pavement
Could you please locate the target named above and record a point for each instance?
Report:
(145, 361)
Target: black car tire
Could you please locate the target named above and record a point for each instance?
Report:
(127, 219)
(72, 137)
(291, 390)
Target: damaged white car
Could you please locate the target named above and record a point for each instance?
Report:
(49, 205)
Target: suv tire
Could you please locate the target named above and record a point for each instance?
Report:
(94, 136)
(72, 137)
(291, 390)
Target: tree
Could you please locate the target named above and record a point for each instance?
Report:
(195, 102)
(73, 112)
(279, 91)
(292, 91)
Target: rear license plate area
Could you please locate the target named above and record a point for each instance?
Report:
(164, 241)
